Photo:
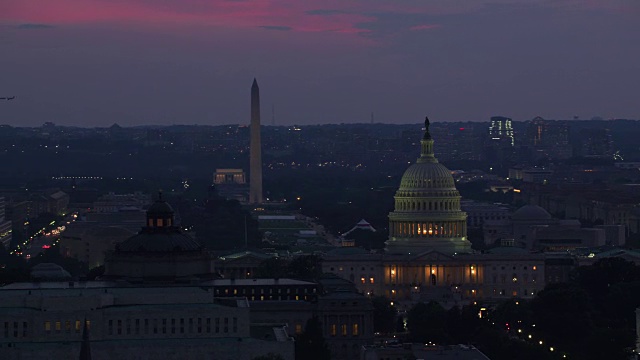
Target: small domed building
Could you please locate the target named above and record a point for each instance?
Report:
(159, 252)
(427, 213)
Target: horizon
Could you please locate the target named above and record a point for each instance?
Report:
(304, 125)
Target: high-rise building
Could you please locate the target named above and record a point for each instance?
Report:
(549, 139)
(501, 130)
(499, 144)
(255, 166)
(596, 143)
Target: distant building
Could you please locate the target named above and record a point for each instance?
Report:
(499, 142)
(361, 225)
(5, 226)
(112, 202)
(479, 213)
(536, 175)
(89, 241)
(501, 130)
(549, 139)
(229, 176)
(231, 184)
(596, 143)
(532, 227)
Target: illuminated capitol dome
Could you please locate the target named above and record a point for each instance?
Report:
(427, 213)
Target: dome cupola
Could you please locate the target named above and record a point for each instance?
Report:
(160, 215)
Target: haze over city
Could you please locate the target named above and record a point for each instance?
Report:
(95, 63)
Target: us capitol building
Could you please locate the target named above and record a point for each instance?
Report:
(428, 255)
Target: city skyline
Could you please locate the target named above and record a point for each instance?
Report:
(93, 63)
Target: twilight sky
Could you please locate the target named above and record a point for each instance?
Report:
(135, 62)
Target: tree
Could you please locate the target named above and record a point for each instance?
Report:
(368, 239)
(384, 315)
(74, 266)
(272, 268)
(512, 312)
(598, 278)
(224, 225)
(308, 267)
(311, 345)
(269, 356)
(564, 313)
(427, 322)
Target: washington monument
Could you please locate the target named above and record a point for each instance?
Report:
(255, 165)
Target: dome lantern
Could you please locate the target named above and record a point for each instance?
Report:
(160, 214)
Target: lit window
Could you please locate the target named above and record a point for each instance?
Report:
(58, 325)
(371, 280)
(47, 326)
(77, 326)
(355, 329)
(535, 268)
(393, 272)
(343, 329)
(363, 280)
(298, 329)
(333, 329)
(159, 222)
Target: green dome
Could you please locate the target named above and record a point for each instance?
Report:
(160, 207)
(427, 175)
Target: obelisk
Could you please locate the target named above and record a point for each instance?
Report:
(255, 164)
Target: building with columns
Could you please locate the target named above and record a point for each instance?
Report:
(428, 255)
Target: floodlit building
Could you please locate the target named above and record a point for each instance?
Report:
(428, 255)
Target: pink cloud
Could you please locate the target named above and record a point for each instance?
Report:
(331, 16)
(424, 27)
(231, 14)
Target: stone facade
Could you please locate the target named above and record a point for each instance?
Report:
(44, 320)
